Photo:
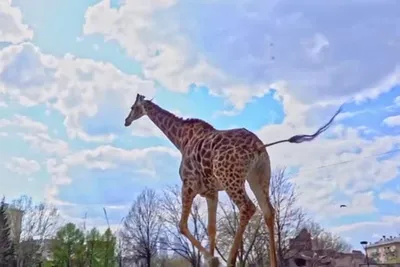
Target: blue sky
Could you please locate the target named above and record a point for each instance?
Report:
(70, 71)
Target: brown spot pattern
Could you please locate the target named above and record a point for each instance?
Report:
(212, 160)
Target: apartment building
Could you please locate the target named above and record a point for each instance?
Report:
(14, 217)
(386, 250)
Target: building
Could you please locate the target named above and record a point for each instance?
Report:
(303, 252)
(14, 217)
(386, 250)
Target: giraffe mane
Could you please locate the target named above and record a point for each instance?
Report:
(195, 120)
(205, 124)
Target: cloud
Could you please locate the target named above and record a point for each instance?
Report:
(77, 88)
(385, 225)
(13, 30)
(88, 180)
(368, 230)
(164, 54)
(392, 121)
(46, 144)
(109, 173)
(146, 128)
(391, 195)
(22, 166)
(397, 101)
(340, 168)
(347, 115)
(259, 44)
(24, 123)
(35, 133)
(313, 61)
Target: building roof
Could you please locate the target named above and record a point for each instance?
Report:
(12, 208)
(384, 241)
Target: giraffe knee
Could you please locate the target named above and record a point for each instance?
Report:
(211, 229)
(271, 212)
(182, 228)
(268, 211)
(247, 211)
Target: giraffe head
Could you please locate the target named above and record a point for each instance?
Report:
(137, 110)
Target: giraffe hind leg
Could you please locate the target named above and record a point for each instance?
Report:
(231, 175)
(212, 205)
(259, 181)
(246, 212)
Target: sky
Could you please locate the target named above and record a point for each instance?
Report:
(70, 70)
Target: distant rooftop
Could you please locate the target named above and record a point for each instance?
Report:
(12, 208)
(385, 241)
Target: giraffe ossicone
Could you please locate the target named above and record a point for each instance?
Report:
(216, 160)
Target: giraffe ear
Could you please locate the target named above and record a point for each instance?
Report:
(139, 97)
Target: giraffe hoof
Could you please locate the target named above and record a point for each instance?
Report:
(213, 262)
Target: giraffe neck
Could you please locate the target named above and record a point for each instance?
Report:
(167, 122)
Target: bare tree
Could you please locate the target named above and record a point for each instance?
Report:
(39, 223)
(254, 247)
(289, 219)
(289, 216)
(323, 239)
(179, 244)
(142, 226)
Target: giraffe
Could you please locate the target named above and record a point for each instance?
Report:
(215, 160)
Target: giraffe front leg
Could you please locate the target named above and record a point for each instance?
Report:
(187, 200)
(212, 205)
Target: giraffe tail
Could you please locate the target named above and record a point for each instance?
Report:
(296, 139)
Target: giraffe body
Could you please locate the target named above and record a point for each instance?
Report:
(218, 160)
(211, 154)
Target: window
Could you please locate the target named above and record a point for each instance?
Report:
(300, 262)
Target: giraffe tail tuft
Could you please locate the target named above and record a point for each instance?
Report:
(296, 139)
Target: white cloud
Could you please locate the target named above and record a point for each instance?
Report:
(228, 113)
(352, 182)
(392, 121)
(146, 128)
(73, 86)
(370, 230)
(46, 144)
(385, 224)
(346, 115)
(102, 158)
(35, 133)
(397, 101)
(12, 29)
(385, 84)
(259, 44)
(165, 55)
(236, 64)
(22, 166)
(391, 195)
(24, 123)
